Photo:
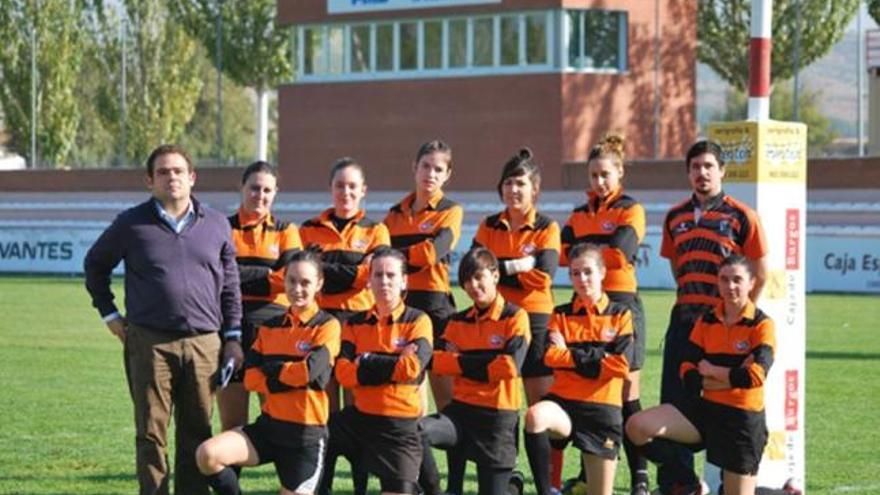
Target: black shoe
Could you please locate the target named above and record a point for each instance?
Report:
(516, 484)
(640, 488)
(574, 486)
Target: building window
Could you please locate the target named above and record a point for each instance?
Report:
(597, 39)
(589, 40)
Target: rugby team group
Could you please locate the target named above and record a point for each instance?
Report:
(339, 326)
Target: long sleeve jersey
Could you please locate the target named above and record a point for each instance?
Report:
(538, 237)
(427, 238)
(384, 382)
(306, 345)
(263, 247)
(616, 222)
(492, 345)
(343, 253)
(752, 336)
(594, 364)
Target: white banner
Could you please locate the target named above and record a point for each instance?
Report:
(355, 6)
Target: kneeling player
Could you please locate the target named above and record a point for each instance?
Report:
(382, 361)
(729, 354)
(589, 342)
(483, 349)
(290, 364)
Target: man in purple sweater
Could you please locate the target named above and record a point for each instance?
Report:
(181, 298)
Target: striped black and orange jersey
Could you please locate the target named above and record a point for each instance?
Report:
(427, 238)
(383, 381)
(595, 362)
(302, 346)
(696, 240)
(617, 223)
(538, 237)
(491, 347)
(263, 246)
(343, 254)
(754, 336)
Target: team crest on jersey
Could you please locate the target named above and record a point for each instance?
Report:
(528, 249)
(608, 226)
(608, 334)
(426, 226)
(400, 342)
(360, 244)
(274, 250)
(742, 345)
(496, 340)
(303, 345)
(682, 227)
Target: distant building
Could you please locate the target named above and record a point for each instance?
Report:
(376, 78)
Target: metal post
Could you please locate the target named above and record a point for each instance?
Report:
(861, 87)
(796, 90)
(123, 126)
(219, 63)
(34, 90)
(759, 55)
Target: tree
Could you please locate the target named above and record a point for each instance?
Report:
(58, 56)
(819, 130)
(161, 73)
(874, 10)
(723, 33)
(254, 51)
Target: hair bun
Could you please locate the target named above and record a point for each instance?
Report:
(525, 154)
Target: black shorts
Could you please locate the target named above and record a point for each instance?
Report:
(488, 437)
(533, 366)
(254, 313)
(595, 428)
(734, 438)
(439, 306)
(390, 448)
(296, 450)
(634, 303)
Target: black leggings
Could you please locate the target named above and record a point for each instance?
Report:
(439, 431)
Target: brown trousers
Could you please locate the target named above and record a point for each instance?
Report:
(170, 373)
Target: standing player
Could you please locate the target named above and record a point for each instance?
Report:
(616, 222)
(263, 245)
(726, 361)
(382, 361)
(347, 239)
(482, 350)
(590, 343)
(290, 364)
(425, 226)
(697, 235)
(526, 244)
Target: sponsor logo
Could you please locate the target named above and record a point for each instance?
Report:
(792, 239)
(791, 400)
(528, 248)
(496, 340)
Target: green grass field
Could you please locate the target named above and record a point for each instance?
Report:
(69, 426)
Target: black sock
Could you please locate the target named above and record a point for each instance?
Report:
(237, 470)
(538, 452)
(429, 475)
(456, 465)
(225, 482)
(359, 478)
(662, 451)
(638, 465)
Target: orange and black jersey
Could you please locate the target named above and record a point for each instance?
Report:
(752, 336)
(696, 240)
(492, 345)
(384, 382)
(263, 246)
(617, 223)
(291, 362)
(427, 238)
(538, 237)
(599, 340)
(343, 253)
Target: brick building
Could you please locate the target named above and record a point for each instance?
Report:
(376, 78)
